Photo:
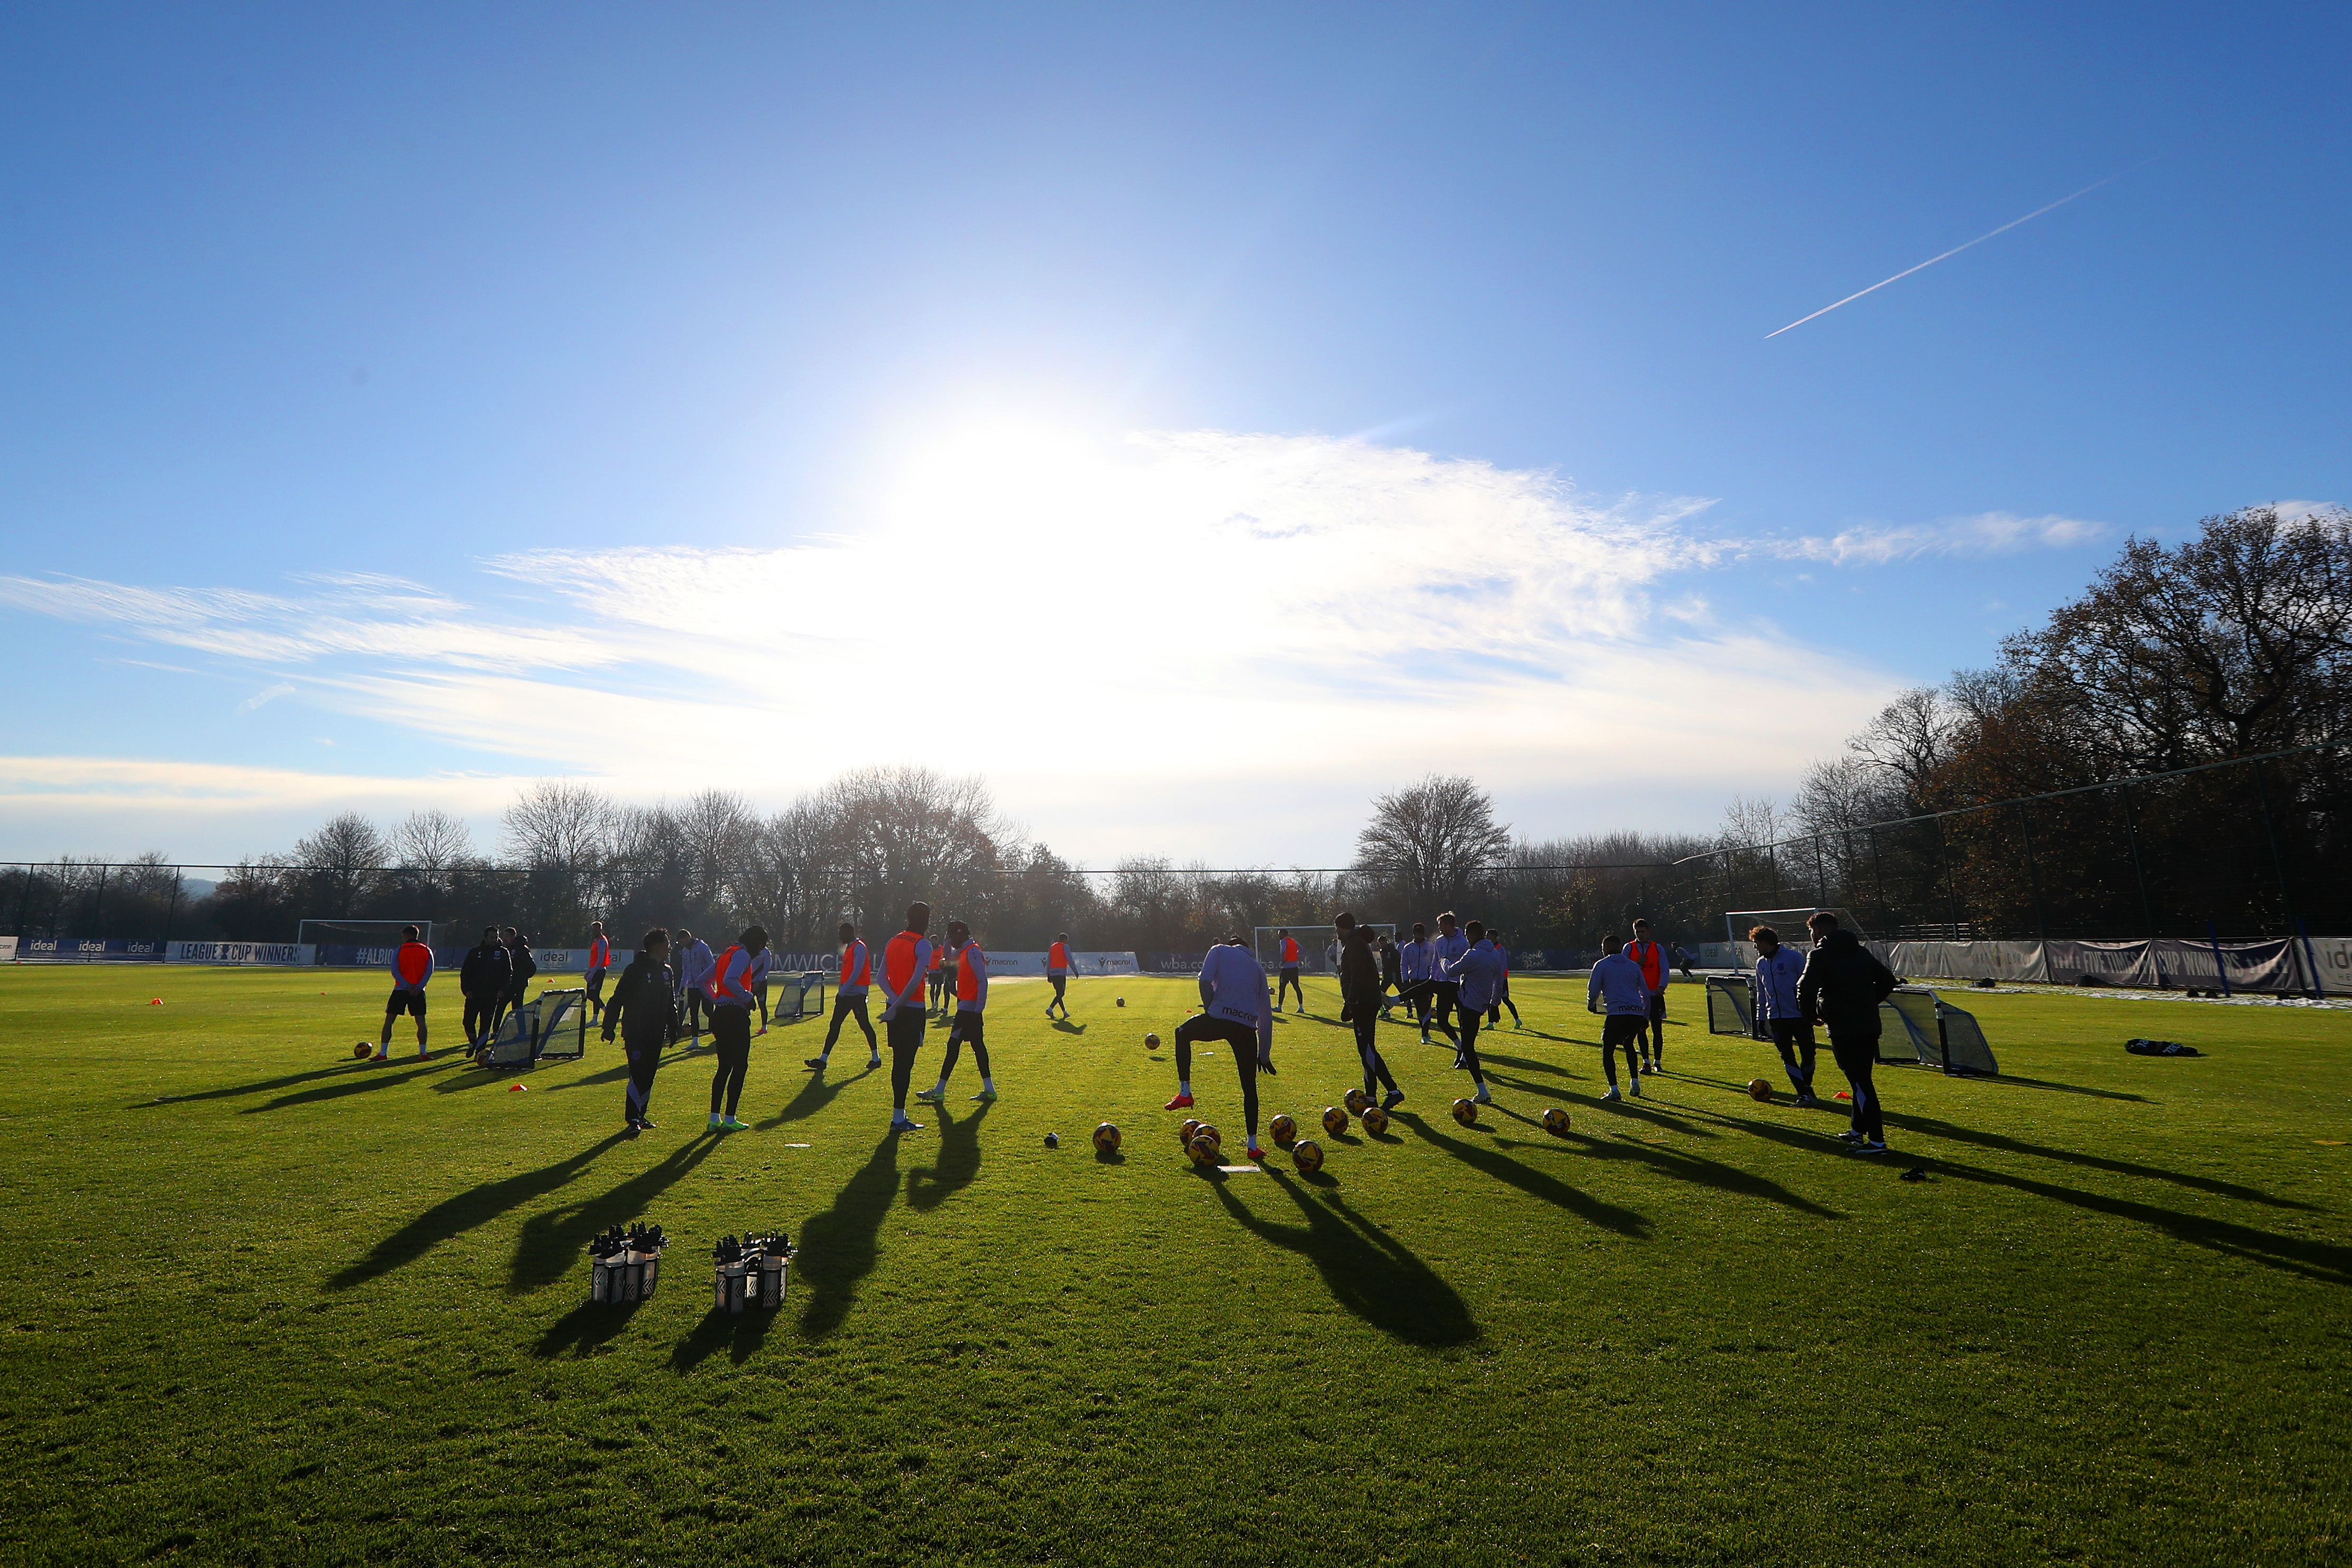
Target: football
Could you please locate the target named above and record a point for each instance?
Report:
(362, 1049)
(1122, 1001)
(1053, 1140)
(1308, 1156)
(1554, 1121)
(1376, 1120)
(1151, 1042)
(1284, 1129)
(1184, 1133)
(1206, 1152)
(1356, 1100)
(1758, 1089)
(1334, 1121)
(1107, 1138)
(1467, 1113)
(1208, 1131)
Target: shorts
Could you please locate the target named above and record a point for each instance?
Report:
(404, 1002)
(1658, 1006)
(1242, 1037)
(1622, 1028)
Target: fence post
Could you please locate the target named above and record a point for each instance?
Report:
(2147, 910)
(172, 909)
(25, 901)
(2278, 861)
(1820, 876)
(97, 900)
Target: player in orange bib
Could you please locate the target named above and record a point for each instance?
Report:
(971, 1016)
(1057, 973)
(412, 967)
(906, 961)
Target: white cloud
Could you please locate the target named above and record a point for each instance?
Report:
(1983, 535)
(266, 694)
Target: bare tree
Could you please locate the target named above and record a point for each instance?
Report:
(1430, 840)
(560, 823)
(343, 856)
(1911, 738)
(432, 843)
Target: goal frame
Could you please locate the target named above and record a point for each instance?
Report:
(360, 932)
(1314, 945)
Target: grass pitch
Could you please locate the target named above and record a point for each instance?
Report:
(264, 1304)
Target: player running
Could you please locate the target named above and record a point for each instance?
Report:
(600, 958)
(1363, 996)
(849, 997)
(970, 1018)
(1237, 1009)
(731, 1000)
(482, 981)
(1620, 990)
(1502, 995)
(1476, 974)
(645, 1011)
(1057, 972)
(694, 966)
(1843, 985)
(1778, 971)
(906, 962)
(412, 967)
(1289, 945)
(1658, 973)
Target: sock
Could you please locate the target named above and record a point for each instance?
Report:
(1184, 1087)
(988, 1083)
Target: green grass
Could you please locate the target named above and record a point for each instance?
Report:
(263, 1304)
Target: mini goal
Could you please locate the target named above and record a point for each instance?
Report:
(552, 1025)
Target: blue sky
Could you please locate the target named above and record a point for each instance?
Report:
(1280, 401)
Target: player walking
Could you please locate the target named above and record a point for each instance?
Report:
(1843, 985)
(1477, 973)
(849, 997)
(1658, 973)
(1288, 945)
(906, 962)
(412, 967)
(1778, 971)
(731, 1000)
(1620, 990)
(1445, 947)
(970, 1018)
(482, 981)
(694, 966)
(1502, 995)
(1236, 1007)
(645, 1011)
(1057, 973)
(600, 958)
(1363, 996)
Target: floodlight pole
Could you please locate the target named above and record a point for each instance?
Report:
(173, 909)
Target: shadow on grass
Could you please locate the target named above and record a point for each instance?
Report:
(1527, 1063)
(1688, 1167)
(1639, 1110)
(838, 1247)
(1367, 1271)
(817, 1091)
(553, 1243)
(956, 1166)
(742, 1332)
(1063, 1026)
(2218, 1187)
(454, 1216)
(383, 1077)
(347, 1068)
(1533, 1182)
(585, 1327)
(2069, 1088)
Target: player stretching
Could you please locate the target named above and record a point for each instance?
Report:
(1658, 973)
(482, 980)
(1057, 971)
(1362, 996)
(1237, 1008)
(1476, 974)
(694, 964)
(971, 1019)
(1778, 971)
(1289, 946)
(906, 962)
(412, 965)
(1502, 995)
(1618, 989)
(731, 1000)
(849, 999)
(600, 958)
(1445, 947)
(645, 1011)
(1843, 985)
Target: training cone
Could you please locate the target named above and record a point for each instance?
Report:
(518, 1088)
(154, 1001)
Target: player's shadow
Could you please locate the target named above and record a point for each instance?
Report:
(2068, 1088)
(1367, 1271)
(956, 1165)
(817, 1091)
(839, 1246)
(1063, 1026)
(453, 1217)
(742, 1332)
(384, 1077)
(1533, 1182)
(584, 1327)
(2219, 1189)
(553, 1242)
(1687, 1167)
(340, 1070)
(1526, 1063)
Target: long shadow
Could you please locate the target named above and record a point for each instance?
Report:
(1526, 1063)
(2327, 1261)
(957, 1166)
(839, 1246)
(382, 1078)
(1063, 1026)
(551, 1243)
(1367, 1271)
(350, 1068)
(2069, 1087)
(2218, 1187)
(817, 1091)
(1687, 1167)
(1535, 1183)
(454, 1216)
(613, 1075)
(1639, 1110)
(743, 1332)
(583, 1327)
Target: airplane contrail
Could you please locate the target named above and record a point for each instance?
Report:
(1954, 251)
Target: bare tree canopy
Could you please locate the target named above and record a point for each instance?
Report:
(1429, 841)
(560, 823)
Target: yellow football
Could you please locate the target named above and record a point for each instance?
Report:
(1356, 1100)
(1107, 1138)
(1206, 1152)
(1554, 1121)
(1334, 1121)
(1206, 1129)
(1467, 1113)
(1184, 1133)
(1376, 1120)
(1151, 1042)
(1284, 1129)
(1308, 1156)
(362, 1049)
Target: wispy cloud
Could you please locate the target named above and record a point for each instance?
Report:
(1986, 534)
(266, 694)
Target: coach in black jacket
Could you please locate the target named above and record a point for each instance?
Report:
(482, 981)
(645, 1009)
(1842, 986)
